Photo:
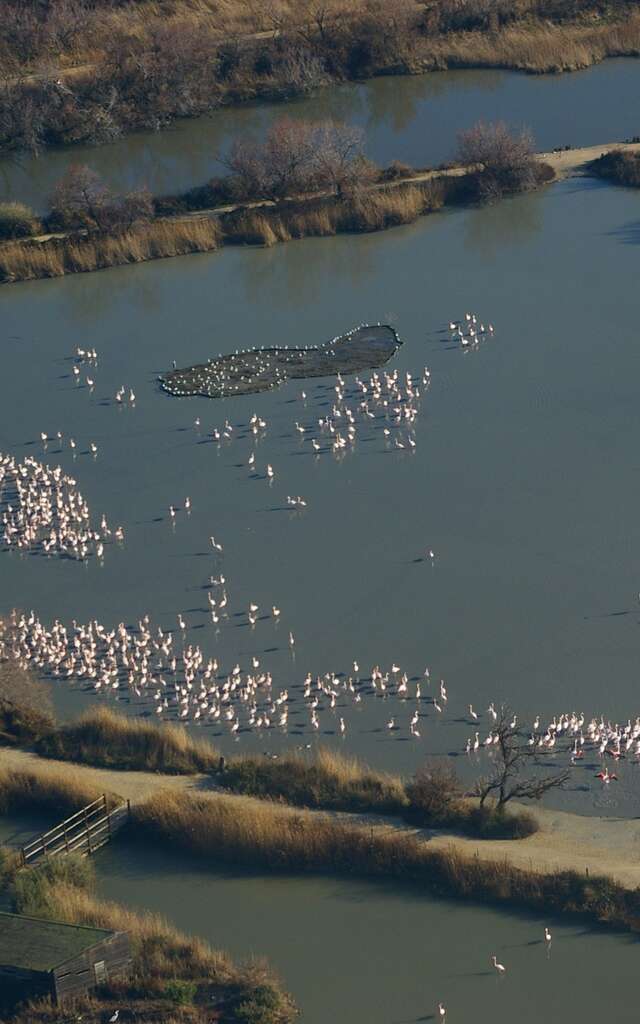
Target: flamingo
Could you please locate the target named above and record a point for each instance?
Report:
(500, 968)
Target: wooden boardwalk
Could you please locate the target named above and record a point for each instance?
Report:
(84, 832)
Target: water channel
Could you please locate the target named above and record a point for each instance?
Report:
(353, 952)
(414, 119)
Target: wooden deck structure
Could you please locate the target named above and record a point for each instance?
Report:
(84, 832)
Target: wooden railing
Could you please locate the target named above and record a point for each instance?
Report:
(84, 832)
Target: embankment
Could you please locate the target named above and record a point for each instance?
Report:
(264, 223)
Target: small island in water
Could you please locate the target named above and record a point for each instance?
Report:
(260, 369)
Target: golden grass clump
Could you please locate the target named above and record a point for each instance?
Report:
(45, 788)
(330, 780)
(104, 738)
(77, 254)
(538, 46)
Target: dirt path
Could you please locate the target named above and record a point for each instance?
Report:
(565, 841)
(570, 162)
(133, 786)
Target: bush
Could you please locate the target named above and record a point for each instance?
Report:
(26, 709)
(397, 171)
(331, 782)
(435, 794)
(103, 737)
(180, 992)
(260, 1005)
(31, 890)
(17, 221)
(505, 160)
(619, 166)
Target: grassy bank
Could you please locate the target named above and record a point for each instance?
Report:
(141, 65)
(327, 780)
(174, 978)
(331, 781)
(45, 789)
(374, 210)
(225, 830)
(105, 739)
(619, 167)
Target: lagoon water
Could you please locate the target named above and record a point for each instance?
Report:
(353, 952)
(413, 119)
(524, 482)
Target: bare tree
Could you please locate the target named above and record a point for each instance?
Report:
(509, 780)
(339, 157)
(81, 198)
(283, 164)
(504, 159)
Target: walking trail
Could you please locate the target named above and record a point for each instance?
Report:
(564, 842)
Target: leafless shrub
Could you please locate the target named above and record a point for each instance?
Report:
(509, 779)
(504, 159)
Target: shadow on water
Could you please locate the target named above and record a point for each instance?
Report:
(628, 234)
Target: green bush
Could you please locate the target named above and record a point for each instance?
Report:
(31, 887)
(17, 221)
(260, 1005)
(180, 992)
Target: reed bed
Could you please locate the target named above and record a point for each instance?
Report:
(45, 789)
(81, 254)
(538, 46)
(266, 836)
(106, 739)
(374, 210)
(331, 781)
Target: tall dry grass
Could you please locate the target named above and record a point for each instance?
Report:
(45, 788)
(229, 829)
(329, 780)
(104, 738)
(372, 210)
(536, 46)
(77, 254)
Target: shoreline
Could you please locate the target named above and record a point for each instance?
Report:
(565, 841)
(263, 222)
(531, 45)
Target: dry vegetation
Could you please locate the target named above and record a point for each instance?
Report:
(45, 788)
(142, 64)
(55, 257)
(106, 739)
(621, 167)
(225, 829)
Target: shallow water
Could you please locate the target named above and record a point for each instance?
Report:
(413, 119)
(354, 952)
(523, 480)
